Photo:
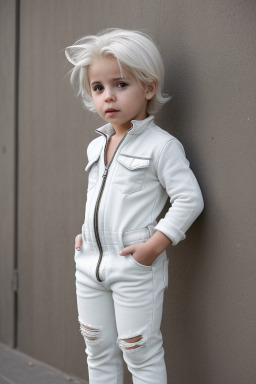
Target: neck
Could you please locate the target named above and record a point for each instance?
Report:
(121, 130)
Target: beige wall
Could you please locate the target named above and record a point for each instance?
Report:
(7, 170)
(210, 59)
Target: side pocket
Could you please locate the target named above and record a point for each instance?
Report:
(138, 265)
(77, 252)
(166, 275)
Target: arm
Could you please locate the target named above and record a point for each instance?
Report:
(186, 201)
(182, 187)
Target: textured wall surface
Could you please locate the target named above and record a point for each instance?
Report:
(209, 53)
(7, 169)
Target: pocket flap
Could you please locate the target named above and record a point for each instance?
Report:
(133, 162)
(91, 162)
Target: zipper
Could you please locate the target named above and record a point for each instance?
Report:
(96, 211)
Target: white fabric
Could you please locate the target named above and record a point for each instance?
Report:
(128, 303)
(149, 166)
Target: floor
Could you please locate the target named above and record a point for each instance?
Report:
(18, 368)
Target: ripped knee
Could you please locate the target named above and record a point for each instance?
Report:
(92, 335)
(131, 344)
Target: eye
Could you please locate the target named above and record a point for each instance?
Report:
(98, 88)
(122, 85)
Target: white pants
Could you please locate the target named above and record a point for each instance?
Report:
(121, 314)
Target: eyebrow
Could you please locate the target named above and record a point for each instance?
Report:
(115, 79)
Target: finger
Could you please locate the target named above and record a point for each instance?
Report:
(78, 242)
(127, 251)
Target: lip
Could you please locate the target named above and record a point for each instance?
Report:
(111, 111)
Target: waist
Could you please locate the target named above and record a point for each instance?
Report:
(121, 239)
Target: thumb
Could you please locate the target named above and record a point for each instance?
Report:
(127, 251)
(78, 242)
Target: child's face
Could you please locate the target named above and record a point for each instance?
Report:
(117, 99)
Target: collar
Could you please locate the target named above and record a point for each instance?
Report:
(138, 126)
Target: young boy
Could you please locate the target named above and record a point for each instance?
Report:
(121, 263)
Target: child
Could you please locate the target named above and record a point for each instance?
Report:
(133, 166)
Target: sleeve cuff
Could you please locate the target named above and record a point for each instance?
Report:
(172, 232)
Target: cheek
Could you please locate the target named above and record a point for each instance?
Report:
(96, 102)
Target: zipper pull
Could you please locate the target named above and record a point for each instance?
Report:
(105, 173)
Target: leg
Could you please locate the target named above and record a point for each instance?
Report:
(138, 304)
(98, 327)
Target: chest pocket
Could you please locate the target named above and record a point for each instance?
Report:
(130, 173)
(93, 168)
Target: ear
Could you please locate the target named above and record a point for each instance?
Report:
(151, 89)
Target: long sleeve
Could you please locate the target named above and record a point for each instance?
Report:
(182, 187)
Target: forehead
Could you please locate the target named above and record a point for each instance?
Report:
(104, 68)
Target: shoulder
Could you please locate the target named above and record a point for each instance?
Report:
(163, 140)
(160, 132)
(95, 146)
(159, 135)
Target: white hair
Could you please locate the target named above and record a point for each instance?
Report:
(132, 49)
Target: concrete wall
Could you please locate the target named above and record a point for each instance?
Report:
(7, 170)
(210, 59)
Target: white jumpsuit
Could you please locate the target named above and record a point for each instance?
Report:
(117, 297)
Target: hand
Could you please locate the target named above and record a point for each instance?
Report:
(78, 242)
(146, 253)
(141, 252)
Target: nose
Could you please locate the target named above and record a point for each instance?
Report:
(109, 94)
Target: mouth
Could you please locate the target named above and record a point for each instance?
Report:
(111, 111)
